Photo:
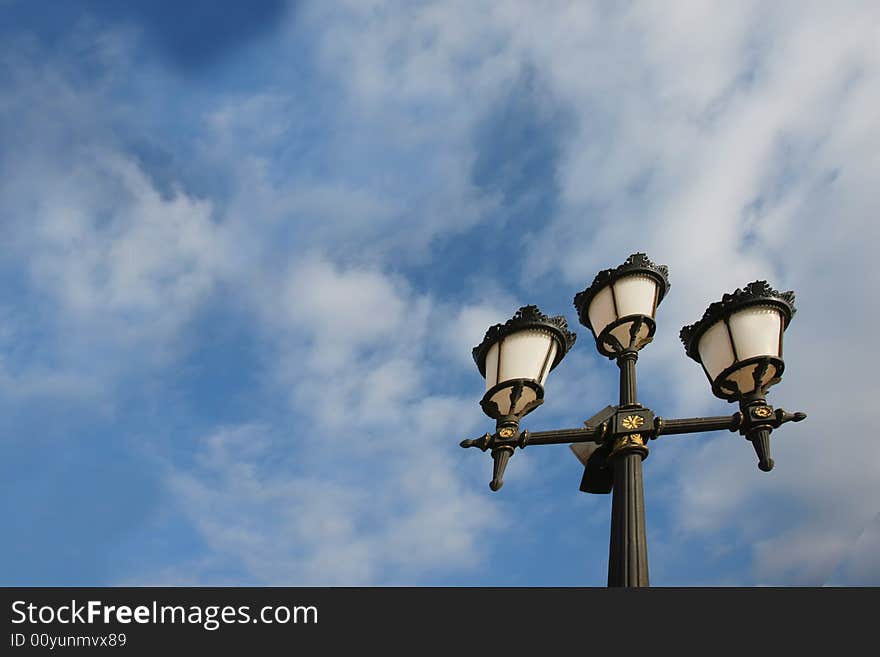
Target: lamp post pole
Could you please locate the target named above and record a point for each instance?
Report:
(738, 342)
(628, 552)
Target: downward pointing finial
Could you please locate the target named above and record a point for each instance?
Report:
(500, 456)
(761, 442)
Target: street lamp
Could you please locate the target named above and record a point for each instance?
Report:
(738, 342)
(515, 358)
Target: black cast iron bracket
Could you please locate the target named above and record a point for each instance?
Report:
(612, 425)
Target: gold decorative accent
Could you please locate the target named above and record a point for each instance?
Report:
(633, 421)
(763, 411)
(506, 432)
(628, 441)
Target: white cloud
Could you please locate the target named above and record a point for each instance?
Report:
(364, 489)
(106, 243)
(349, 340)
(122, 259)
(251, 501)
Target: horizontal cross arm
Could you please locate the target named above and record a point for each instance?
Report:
(564, 436)
(664, 427)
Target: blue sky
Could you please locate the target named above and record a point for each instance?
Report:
(246, 248)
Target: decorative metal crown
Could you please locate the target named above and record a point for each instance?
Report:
(526, 317)
(755, 293)
(637, 262)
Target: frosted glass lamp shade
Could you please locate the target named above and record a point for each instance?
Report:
(526, 354)
(621, 304)
(739, 340)
(516, 358)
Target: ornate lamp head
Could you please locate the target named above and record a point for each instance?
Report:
(738, 341)
(515, 359)
(620, 305)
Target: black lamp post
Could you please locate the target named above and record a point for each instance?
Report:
(738, 342)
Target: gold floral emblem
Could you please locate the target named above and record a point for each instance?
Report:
(633, 421)
(506, 432)
(763, 411)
